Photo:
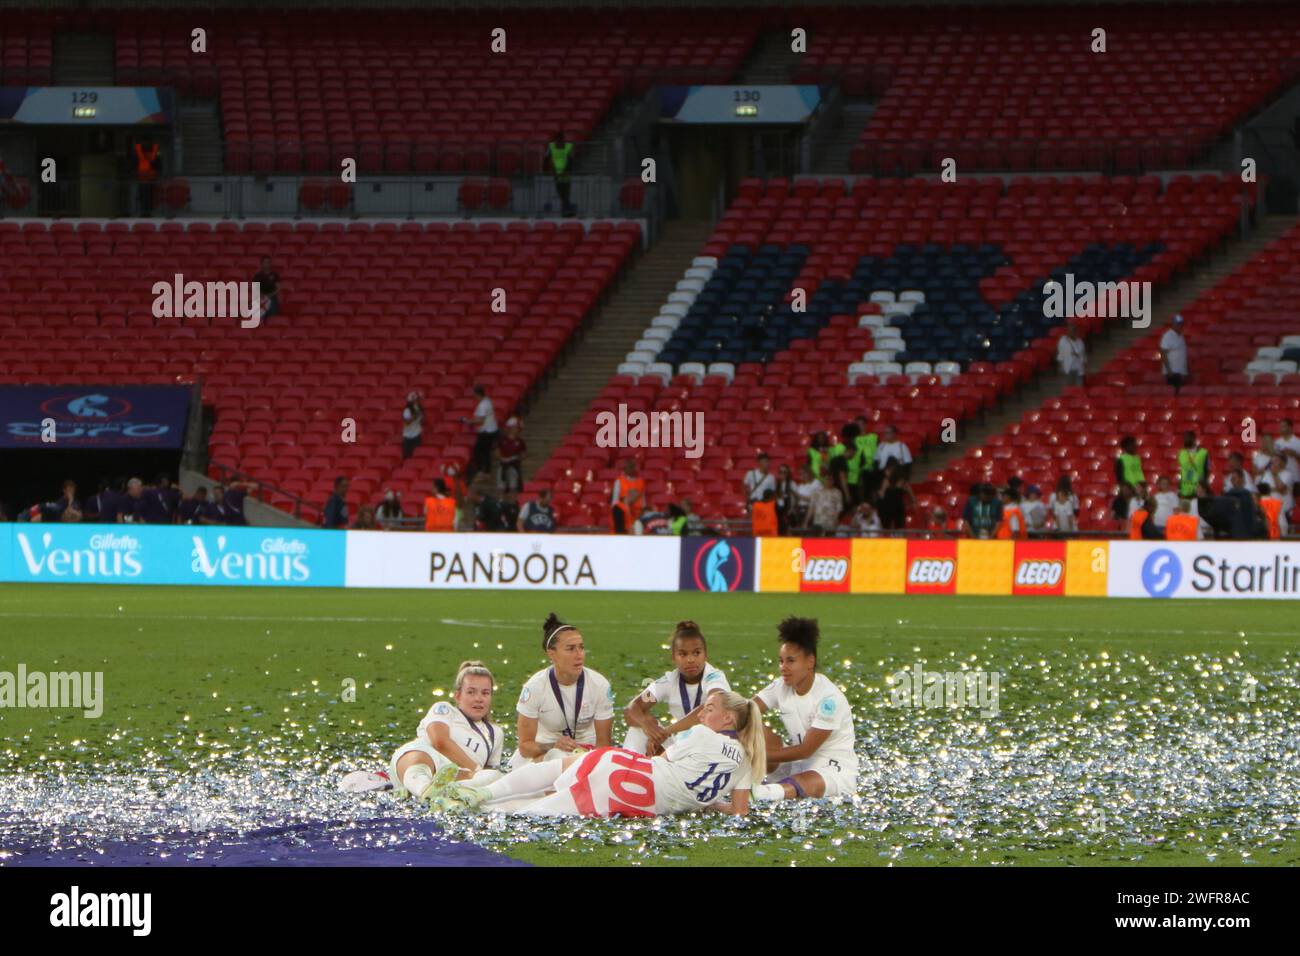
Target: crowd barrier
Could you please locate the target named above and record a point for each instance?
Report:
(145, 554)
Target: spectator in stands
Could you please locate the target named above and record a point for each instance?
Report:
(559, 156)
(365, 519)
(1166, 503)
(1263, 456)
(147, 164)
(627, 499)
(389, 514)
(685, 521)
(891, 447)
(164, 499)
(825, 506)
(1065, 507)
(654, 521)
(865, 457)
(1034, 510)
(132, 509)
(804, 489)
(1288, 443)
(1012, 525)
(866, 521)
(229, 501)
(940, 524)
(1244, 520)
(1271, 505)
(1121, 505)
(1182, 524)
(64, 508)
(763, 518)
(1237, 465)
(268, 285)
(440, 508)
(1141, 523)
(788, 502)
(759, 481)
(820, 453)
(1128, 465)
(485, 423)
(983, 513)
(196, 509)
(537, 516)
(1173, 353)
(1281, 478)
(895, 493)
(412, 424)
(1193, 465)
(336, 506)
(507, 511)
(1072, 354)
(510, 457)
(101, 507)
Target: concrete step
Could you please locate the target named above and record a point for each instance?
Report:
(83, 59)
(201, 141)
(609, 336)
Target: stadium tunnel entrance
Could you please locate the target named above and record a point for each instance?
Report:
(35, 476)
(710, 160)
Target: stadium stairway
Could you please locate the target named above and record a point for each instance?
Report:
(833, 158)
(1109, 341)
(613, 331)
(771, 60)
(201, 138)
(83, 59)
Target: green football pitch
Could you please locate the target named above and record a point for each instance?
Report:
(1122, 733)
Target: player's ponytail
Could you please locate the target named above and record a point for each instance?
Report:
(470, 669)
(749, 731)
(551, 630)
(688, 630)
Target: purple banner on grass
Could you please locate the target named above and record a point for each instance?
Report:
(381, 842)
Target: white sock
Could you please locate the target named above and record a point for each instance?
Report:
(530, 779)
(484, 777)
(417, 779)
(768, 792)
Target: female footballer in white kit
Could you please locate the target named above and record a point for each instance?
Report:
(683, 689)
(820, 761)
(700, 767)
(566, 706)
(455, 740)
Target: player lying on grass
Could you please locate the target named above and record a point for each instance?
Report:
(456, 740)
(564, 707)
(820, 761)
(682, 688)
(699, 768)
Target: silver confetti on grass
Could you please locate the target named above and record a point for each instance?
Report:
(1115, 756)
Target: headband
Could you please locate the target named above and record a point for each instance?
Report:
(562, 627)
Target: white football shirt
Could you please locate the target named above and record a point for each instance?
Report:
(824, 707)
(669, 688)
(537, 700)
(481, 740)
(698, 767)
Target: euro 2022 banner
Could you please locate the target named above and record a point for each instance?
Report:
(717, 564)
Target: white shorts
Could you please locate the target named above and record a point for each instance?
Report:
(841, 782)
(481, 778)
(414, 746)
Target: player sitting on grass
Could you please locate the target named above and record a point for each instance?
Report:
(820, 762)
(682, 688)
(700, 766)
(564, 707)
(454, 741)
